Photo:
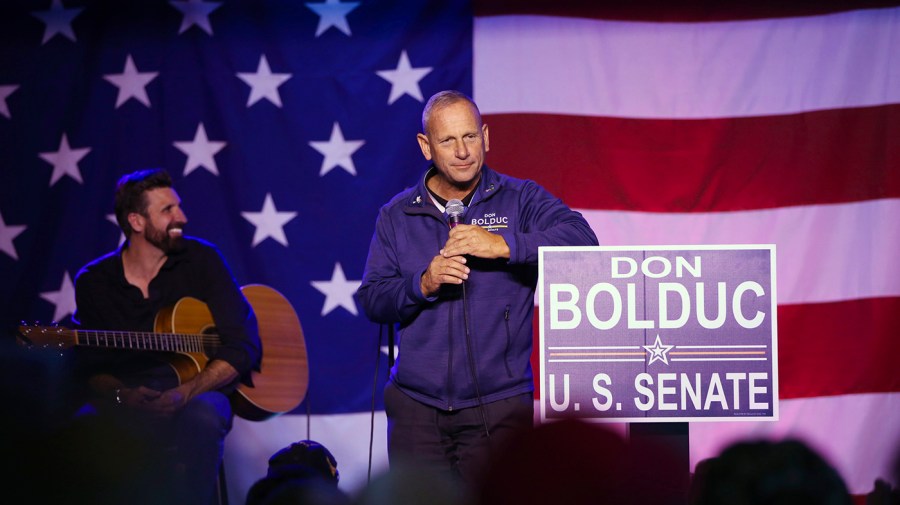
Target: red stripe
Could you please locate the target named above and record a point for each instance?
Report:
(832, 156)
(838, 348)
(827, 349)
(665, 10)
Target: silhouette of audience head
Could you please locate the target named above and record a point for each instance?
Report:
(304, 472)
(305, 457)
(770, 473)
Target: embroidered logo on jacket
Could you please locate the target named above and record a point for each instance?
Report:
(491, 221)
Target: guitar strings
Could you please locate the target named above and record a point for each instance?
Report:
(174, 342)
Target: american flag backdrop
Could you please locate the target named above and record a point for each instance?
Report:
(287, 124)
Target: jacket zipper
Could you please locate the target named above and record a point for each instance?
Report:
(450, 362)
(508, 342)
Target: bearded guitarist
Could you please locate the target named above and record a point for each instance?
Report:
(123, 291)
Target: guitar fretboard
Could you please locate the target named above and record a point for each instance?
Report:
(147, 341)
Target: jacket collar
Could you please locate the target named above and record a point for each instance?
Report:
(419, 200)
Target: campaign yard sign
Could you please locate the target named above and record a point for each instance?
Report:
(658, 333)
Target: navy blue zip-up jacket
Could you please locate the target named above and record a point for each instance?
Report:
(432, 364)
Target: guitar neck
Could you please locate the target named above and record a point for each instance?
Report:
(147, 341)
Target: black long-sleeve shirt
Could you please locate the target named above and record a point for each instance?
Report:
(107, 301)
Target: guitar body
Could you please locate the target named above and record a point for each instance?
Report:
(282, 383)
(187, 316)
(283, 380)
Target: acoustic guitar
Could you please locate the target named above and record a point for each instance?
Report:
(184, 336)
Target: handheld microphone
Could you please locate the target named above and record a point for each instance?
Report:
(455, 210)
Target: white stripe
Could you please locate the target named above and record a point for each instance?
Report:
(597, 360)
(552, 348)
(824, 253)
(591, 67)
(857, 434)
(721, 346)
(718, 359)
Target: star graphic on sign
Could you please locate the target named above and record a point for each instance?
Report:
(131, 83)
(269, 222)
(58, 20)
(263, 84)
(65, 161)
(5, 91)
(200, 151)
(338, 291)
(332, 13)
(64, 299)
(658, 351)
(337, 151)
(112, 219)
(404, 79)
(196, 12)
(7, 234)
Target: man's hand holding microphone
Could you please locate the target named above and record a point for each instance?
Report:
(449, 266)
